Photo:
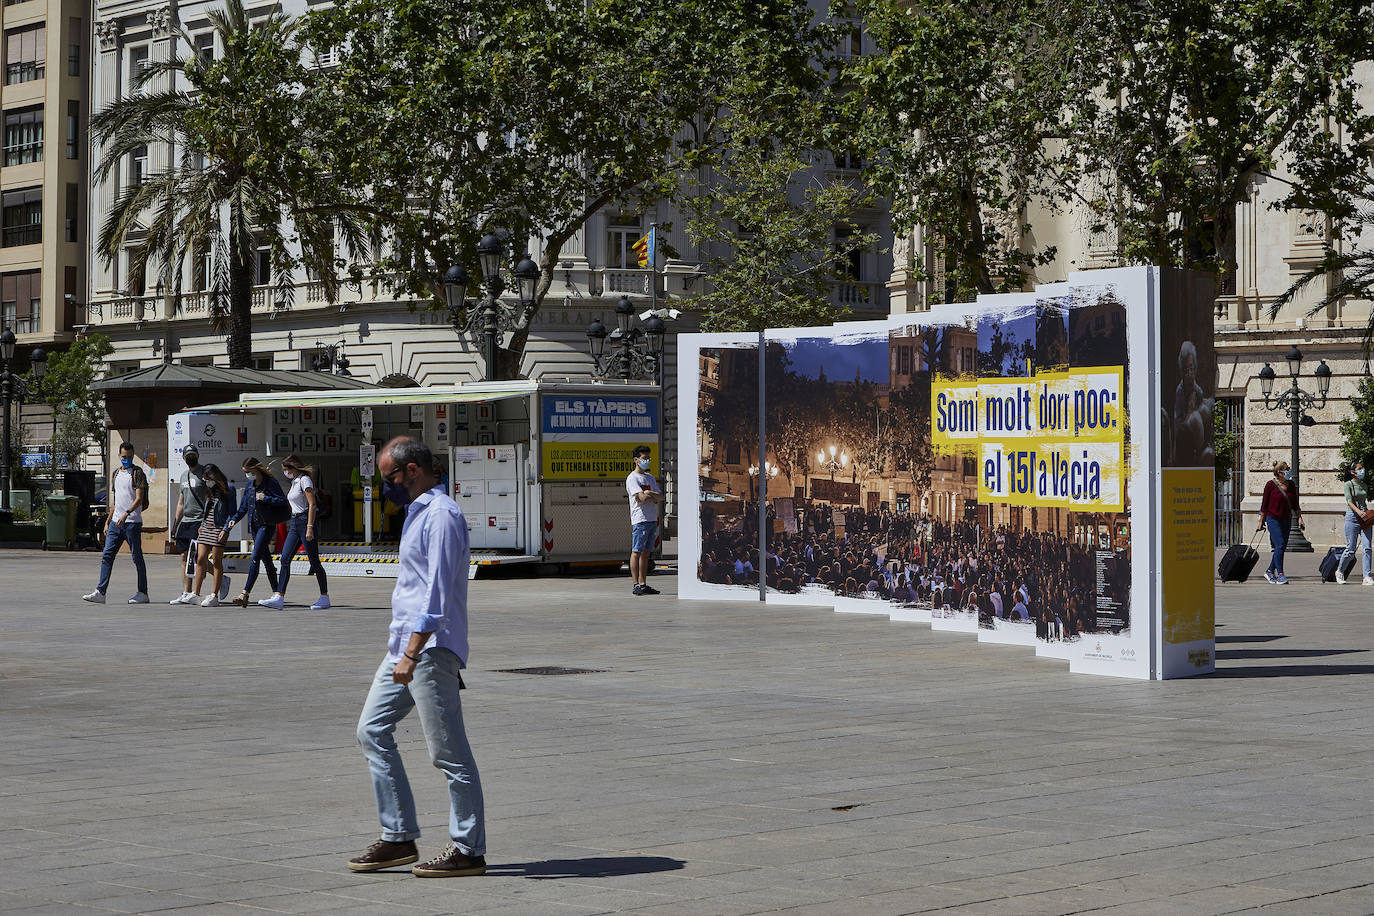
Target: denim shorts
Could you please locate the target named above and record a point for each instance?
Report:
(643, 538)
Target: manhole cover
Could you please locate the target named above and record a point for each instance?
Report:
(550, 670)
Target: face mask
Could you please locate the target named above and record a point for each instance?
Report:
(1359, 474)
(288, 473)
(1287, 475)
(192, 461)
(644, 464)
(126, 462)
(250, 477)
(396, 493)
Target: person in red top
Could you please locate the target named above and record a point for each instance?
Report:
(1278, 507)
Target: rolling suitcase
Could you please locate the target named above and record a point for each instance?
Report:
(1239, 561)
(1333, 556)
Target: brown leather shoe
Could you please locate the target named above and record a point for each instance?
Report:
(385, 854)
(452, 864)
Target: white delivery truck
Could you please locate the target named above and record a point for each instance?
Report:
(538, 466)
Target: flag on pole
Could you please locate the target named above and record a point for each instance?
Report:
(644, 248)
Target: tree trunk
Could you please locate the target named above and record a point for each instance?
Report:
(240, 312)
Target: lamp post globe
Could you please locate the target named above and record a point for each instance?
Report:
(624, 311)
(654, 329)
(7, 345)
(526, 279)
(38, 362)
(456, 288)
(1294, 357)
(489, 252)
(596, 340)
(1323, 374)
(1266, 377)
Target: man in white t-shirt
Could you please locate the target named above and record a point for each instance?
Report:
(644, 499)
(127, 499)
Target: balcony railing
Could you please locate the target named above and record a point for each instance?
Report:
(621, 281)
(856, 294)
(122, 309)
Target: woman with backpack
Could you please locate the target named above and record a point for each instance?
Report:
(301, 530)
(214, 533)
(1278, 508)
(264, 505)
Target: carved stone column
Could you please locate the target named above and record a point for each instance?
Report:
(107, 76)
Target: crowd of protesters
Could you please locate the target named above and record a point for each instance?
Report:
(1000, 573)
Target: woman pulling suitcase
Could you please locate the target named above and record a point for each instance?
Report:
(1278, 507)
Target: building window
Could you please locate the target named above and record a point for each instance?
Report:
(73, 208)
(205, 48)
(138, 171)
(74, 46)
(264, 267)
(138, 62)
(73, 129)
(24, 135)
(260, 362)
(23, 217)
(21, 300)
(849, 255)
(848, 161)
(622, 233)
(25, 51)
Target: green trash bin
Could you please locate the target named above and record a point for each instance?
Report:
(62, 521)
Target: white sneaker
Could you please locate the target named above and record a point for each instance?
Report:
(184, 598)
(212, 601)
(224, 589)
(95, 597)
(1269, 577)
(1368, 580)
(276, 602)
(139, 598)
(322, 604)
(1340, 577)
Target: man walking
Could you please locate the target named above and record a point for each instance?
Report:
(644, 499)
(127, 498)
(428, 646)
(189, 514)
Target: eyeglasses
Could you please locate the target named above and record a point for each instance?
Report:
(394, 472)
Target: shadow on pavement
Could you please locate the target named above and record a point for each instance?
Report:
(1291, 670)
(1282, 653)
(601, 867)
(1247, 638)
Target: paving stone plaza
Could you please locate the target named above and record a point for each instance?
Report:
(724, 758)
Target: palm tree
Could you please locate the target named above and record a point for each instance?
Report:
(243, 177)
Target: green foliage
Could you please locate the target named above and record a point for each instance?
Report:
(462, 117)
(66, 387)
(1357, 429)
(20, 476)
(248, 174)
(774, 263)
(1153, 119)
(1225, 446)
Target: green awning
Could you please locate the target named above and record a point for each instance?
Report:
(381, 397)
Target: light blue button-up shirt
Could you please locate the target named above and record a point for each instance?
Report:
(431, 594)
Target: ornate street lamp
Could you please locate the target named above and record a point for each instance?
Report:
(489, 316)
(1296, 402)
(636, 352)
(8, 382)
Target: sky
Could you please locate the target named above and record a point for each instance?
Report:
(869, 357)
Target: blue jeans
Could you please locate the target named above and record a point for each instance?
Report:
(1353, 535)
(295, 537)
(1278, 539)
(434, 694)
(132, 533)
(262, 551)
(642, 537)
